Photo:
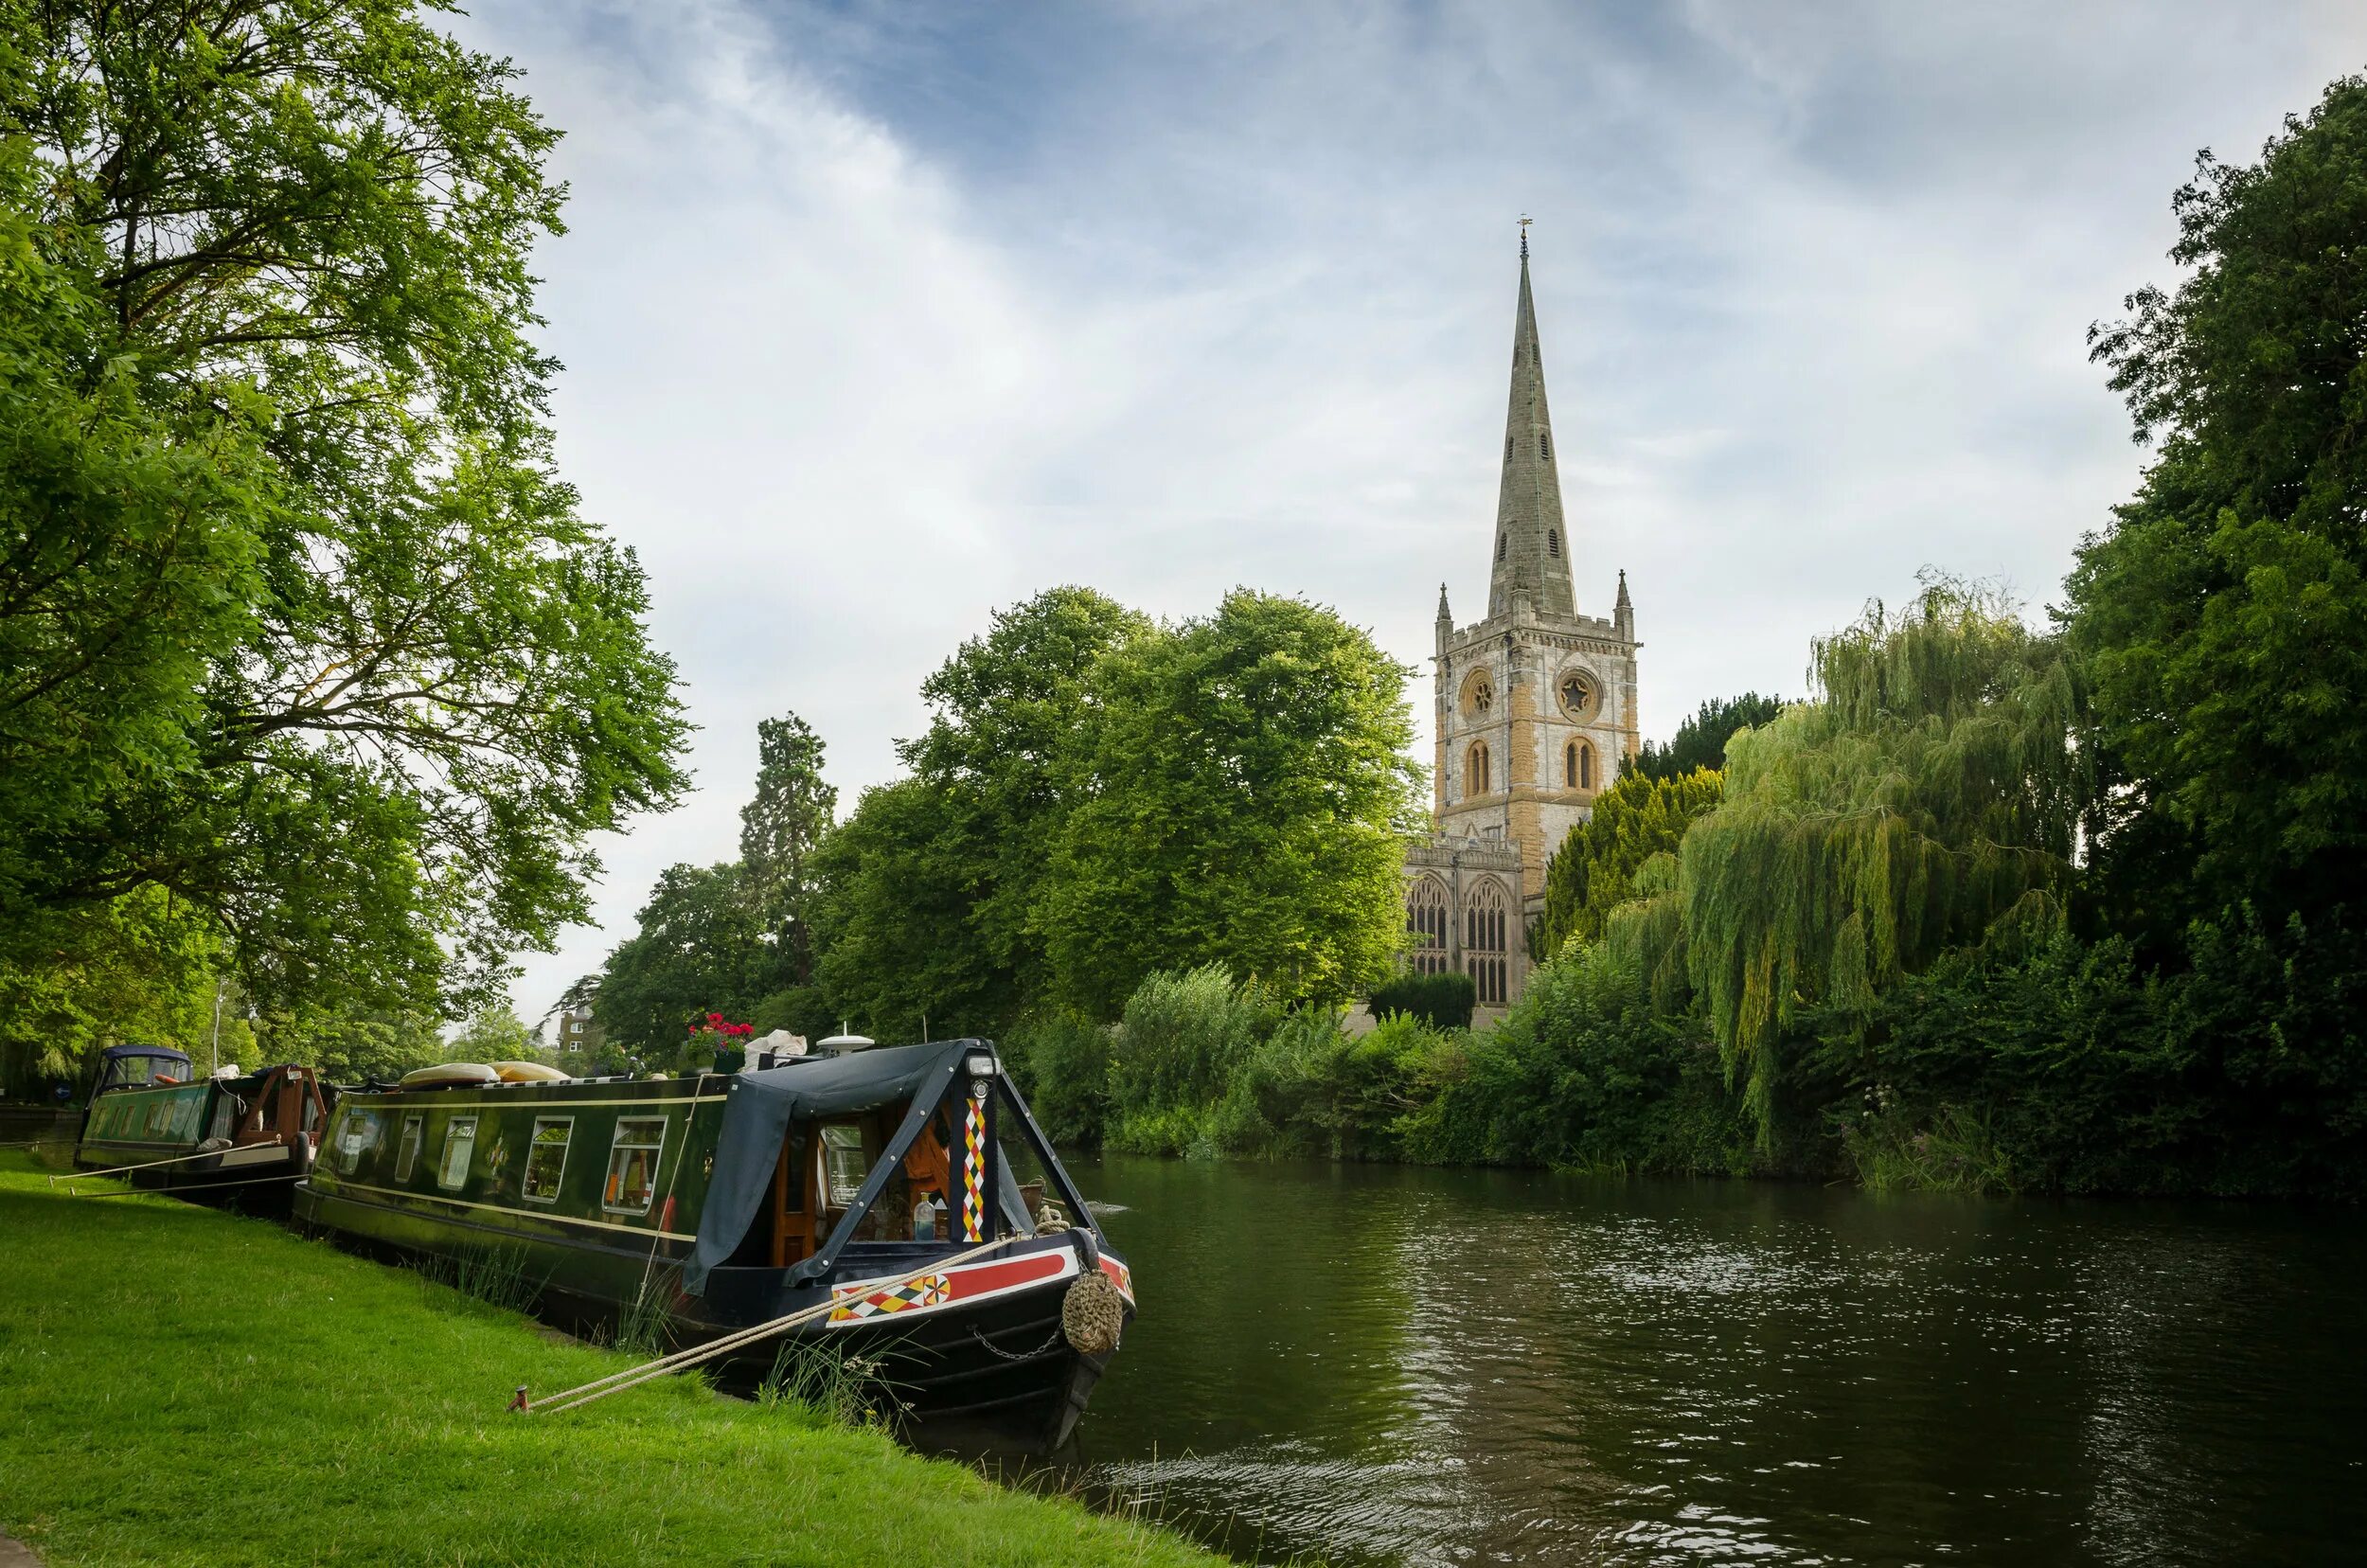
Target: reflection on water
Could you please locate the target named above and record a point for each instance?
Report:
(1400, 1366)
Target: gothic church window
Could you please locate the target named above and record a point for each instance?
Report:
(1499, 546)
(1544, 446)
(1586, 766)
(1475, 771)
(1426, 916)
(1552, 542)
(1570, 766)
(1507, 449)
(1486, 956)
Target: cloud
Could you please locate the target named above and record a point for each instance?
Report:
(877, 318)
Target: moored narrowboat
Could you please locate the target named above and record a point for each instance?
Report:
(905, 1194)
(241, 1139)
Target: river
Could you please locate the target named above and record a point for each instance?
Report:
(1402, 1365)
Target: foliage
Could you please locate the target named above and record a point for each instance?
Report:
(493, 1034)
(702, 943)
(1700, 741)
(893, 916)
(1926, 801)
(1435, 1001)
(1638, 817)
(1182, 1036)
(143, 968)
(356, 1047)
(1097, 798)
(779, 830)
(1062, 1061)
(298, 625)
(1583, 1074)
(2223, 615)
(1239, 799)
(95, 1476)
(999, 756)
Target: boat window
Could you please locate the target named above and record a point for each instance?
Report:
(459, 1144)
(546, 1158)
(842, 1165)
(633, 1164)
(359, 1132)
(407, 1155)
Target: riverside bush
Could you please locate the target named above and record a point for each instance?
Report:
(1438, 1001)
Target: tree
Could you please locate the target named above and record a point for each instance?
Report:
(1240, 797)
(493, 1034)
(1594, 870)
(358, 1047)
(779, 829)
(1700, 741)
(701, 946)
(2223, 617)
(300, 627)
(899, 948)
(1927, 800)
(935, 881)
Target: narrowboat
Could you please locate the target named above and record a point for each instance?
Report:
(241, 1139)
(905, 1194)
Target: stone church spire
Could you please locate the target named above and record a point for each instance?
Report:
(1532, 543)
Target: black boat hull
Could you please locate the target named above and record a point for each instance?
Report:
(997, 1371)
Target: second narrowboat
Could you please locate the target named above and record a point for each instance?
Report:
(906, 1194)
(243, 1139)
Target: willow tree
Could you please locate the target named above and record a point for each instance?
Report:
(1927, 800)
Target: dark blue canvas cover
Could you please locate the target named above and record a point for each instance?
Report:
(764, 1104)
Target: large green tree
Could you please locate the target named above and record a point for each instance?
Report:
(299, 625)
(1241, 793)
(2223, 617)
(937, 881)
(1927, 800)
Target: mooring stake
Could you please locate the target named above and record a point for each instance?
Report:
(518, 1401)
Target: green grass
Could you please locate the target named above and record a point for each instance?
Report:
(183, 1386)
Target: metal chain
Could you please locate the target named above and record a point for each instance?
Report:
(1050, 1340)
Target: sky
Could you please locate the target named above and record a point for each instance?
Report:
(876, 318)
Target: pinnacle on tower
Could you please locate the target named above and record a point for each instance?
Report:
(1532, 544)
(1443, 614)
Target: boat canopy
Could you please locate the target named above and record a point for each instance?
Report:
(765, 1101)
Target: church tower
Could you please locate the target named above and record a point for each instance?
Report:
(1535, 707)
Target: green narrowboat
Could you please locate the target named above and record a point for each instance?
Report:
(906, 1190)
(242, 1139)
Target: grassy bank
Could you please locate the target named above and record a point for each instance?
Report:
(182, 1386)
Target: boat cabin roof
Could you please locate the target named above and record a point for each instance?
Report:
(117, 1053)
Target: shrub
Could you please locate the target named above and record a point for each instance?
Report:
(1062, 1064)
(1182, 1037)
(1436, 1001)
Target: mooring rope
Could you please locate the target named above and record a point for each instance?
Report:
(151, 1165)
(616, 1383)
(158, 1192)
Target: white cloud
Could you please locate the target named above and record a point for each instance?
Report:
(876, 320)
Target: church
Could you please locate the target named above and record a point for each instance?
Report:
(1535, 713)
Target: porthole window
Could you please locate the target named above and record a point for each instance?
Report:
(546, 1158)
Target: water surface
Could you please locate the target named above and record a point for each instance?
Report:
(1391, 1364)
